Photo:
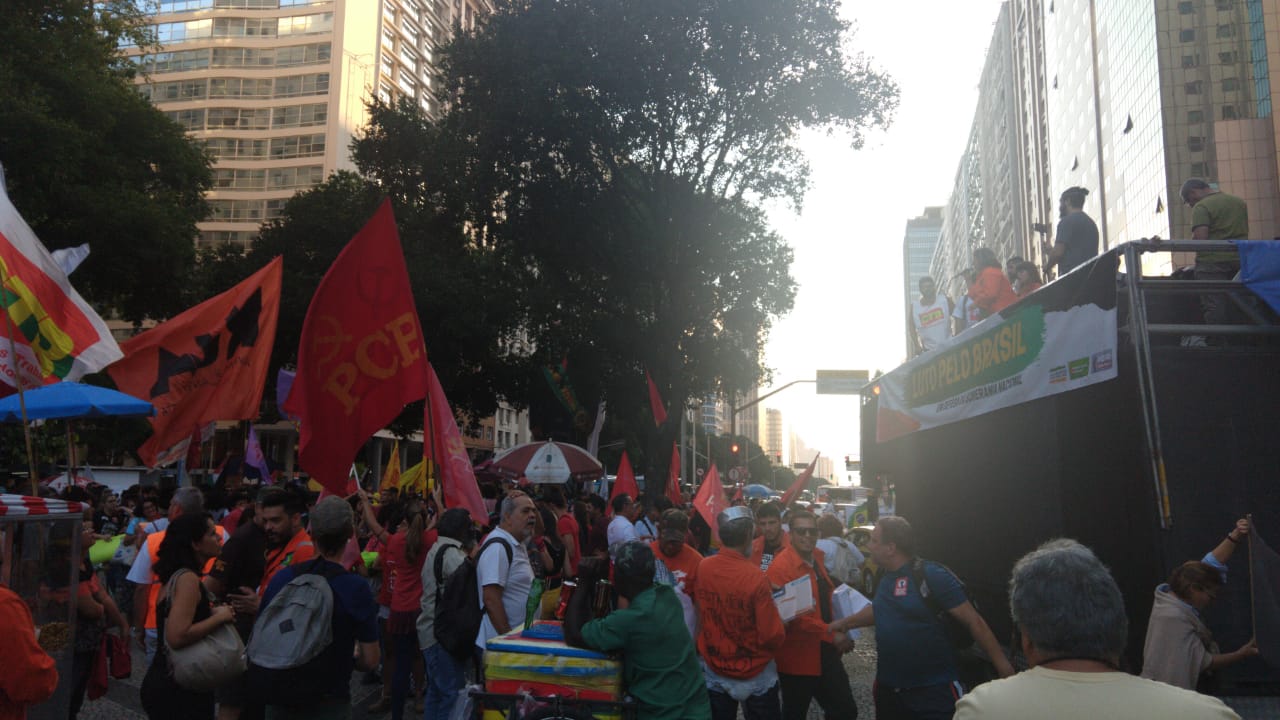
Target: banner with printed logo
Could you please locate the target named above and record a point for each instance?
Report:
(1058, 339)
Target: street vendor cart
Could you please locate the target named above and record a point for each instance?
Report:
(39, 561)
(531, 674)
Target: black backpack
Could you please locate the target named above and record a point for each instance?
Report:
(957, 632)
(459, 607)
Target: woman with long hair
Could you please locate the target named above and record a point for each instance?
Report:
(94, 607)
(403, 554)
(184, 615)
(1179, 649)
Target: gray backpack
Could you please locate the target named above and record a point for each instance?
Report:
(290, 635)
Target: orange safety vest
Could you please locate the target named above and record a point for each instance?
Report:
(299, 549)
(153, 591)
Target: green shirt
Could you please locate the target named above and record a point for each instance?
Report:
(1227, 218)
(659, 663)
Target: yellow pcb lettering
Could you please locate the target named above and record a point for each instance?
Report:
(376, 356)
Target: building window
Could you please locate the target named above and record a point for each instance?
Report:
(1199, 169)
(1230, 84)
(1190, 61)
(1225, 4)
(1229, 112)
(1226, 31)
(1193, 87)
(1195, 116)
(1187, 35)
(1195, 143)
(1186, 8)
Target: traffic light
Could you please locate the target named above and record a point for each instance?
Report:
(734, 448)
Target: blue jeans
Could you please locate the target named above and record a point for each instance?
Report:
(756, 707)
(445, 677)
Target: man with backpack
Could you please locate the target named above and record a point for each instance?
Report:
(445, 673)
(916, 672)
(504, 575)
(313, 614)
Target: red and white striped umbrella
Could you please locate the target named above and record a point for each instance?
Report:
(26, 505)
(548, 462)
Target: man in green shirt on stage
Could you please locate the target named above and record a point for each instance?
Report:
(659, 664)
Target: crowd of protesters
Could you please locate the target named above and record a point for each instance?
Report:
(691, 609)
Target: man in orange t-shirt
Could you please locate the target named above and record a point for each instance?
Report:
(741, 630)
(772, 540)
(809, 662)
(991, 290)
(674, 552)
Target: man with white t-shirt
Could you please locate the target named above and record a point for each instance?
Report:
(622, 528)
(505, 578)
(930, 317)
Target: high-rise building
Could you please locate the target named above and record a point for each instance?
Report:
(277, 89)
(773, 436)
(918, 244)
(1145, 96)
(963, 227)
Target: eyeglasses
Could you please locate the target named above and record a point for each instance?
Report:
(807, 532)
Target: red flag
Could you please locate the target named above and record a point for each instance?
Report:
(625, 483)
(673, 477)
(738, 495)
(710, 500)
(655, 402)
(448, 455)
(800, 482)
(361, 357)
(208, 363)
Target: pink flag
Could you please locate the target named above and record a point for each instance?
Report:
(448, 455)
(800, 482)
(625, 482)
(710, 500)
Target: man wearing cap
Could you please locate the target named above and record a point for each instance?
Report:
(679, 560)
(740, 629)
(658, 661)
(809, 662)
(355, 615)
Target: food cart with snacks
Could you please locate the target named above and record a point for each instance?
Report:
(40, 561)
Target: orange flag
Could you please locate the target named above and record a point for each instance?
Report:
(710, 500)
(444, 447)
(673, 477)
(800, 482)
(361, 357)
(208, 363)
(624, 483)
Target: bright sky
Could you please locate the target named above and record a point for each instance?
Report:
(848, 239)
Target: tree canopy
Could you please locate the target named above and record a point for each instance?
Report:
(608, 159)
(88, 159)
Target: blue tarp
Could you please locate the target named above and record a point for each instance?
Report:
(1260, 269)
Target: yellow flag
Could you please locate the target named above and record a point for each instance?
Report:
(391, 476)
(414, 480)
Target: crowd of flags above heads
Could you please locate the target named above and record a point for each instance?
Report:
(361, 359)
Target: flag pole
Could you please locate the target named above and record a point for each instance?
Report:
(1253, 610)
(429, 467)
(17, 375)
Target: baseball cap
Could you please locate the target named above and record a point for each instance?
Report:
(674, 524)
(634, 559)
(331, 516)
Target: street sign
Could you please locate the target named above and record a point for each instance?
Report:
(733, 474)
(842, 382)
(739, 474)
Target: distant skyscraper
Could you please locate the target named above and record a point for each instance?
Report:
(773, 435)
(918, 244)
(276, 89)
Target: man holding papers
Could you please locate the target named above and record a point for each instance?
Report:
(809, 665)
